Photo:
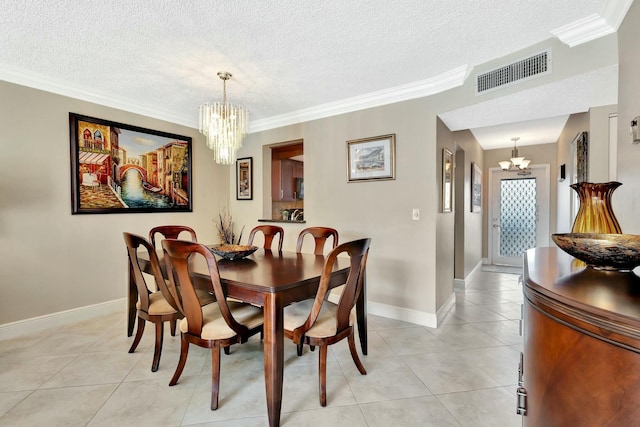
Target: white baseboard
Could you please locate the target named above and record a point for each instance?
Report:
(396, 313)
(61, 318)
(461, 284)
(444, 310)
(403, 314)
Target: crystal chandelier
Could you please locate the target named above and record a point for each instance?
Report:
(224, 125)
(516, 163)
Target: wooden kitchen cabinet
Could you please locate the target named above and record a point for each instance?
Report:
(283, 175)
(581, 355)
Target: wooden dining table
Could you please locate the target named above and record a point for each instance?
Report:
(271, 280)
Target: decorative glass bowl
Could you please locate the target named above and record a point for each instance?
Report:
(232, 252)
(617, 252)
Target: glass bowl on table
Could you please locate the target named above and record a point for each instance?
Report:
(614, 252)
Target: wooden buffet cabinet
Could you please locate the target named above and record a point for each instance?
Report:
(580, 365)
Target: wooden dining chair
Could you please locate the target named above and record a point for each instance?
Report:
(156, 305)
(320, 236)
(319, 322)
(269, 231)
(171, 232)
(213, 326)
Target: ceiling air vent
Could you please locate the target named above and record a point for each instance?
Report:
(519, 71)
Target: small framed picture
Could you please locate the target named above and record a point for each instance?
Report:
(371, 158)
(244, 178)
(476, 188)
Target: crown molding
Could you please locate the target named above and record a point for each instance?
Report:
(594, 26)
(419, 89)
(60, 87)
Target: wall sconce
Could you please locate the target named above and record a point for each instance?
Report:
(635, 136)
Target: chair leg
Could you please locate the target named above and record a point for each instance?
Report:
(139, 332)
(354, 354)
(312, 347)
(215, 375)
(184, 351)
(157, 351)
(322, 371)
(227, 350)
(299, 349)
(173, 324)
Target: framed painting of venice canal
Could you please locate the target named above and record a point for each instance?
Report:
(119, 168)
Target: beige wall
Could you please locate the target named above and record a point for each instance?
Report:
(626, 199)
(401, 266)
(598, 168)
(50, 260)
(472, 229)
(576, 123)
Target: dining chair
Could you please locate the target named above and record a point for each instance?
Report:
(320, 236)
(322, 323)
(171, 232)
(154, 305)
(213, 326)
(269, 231)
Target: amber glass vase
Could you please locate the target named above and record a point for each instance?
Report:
(595, 214)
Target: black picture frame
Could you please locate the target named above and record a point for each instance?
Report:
(244, 178)
(562, 172)
(121, 168)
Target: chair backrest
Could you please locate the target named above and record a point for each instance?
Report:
(358, 251)
(133, 243)
(171, 232)
(320, 235)
(269, 231)
(176, 255)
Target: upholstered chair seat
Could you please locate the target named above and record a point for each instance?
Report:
(214, 327)
(326, 324)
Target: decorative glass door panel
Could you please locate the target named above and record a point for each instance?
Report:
(518, 216)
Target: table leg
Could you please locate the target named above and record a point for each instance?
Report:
(132, 299)
(273, 356)
(361, 312)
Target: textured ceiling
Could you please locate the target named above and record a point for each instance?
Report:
(160, 58)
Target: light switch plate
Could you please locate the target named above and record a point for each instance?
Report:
(415, 214)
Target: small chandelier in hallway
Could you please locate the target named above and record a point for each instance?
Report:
(224, 125)
(517, 163)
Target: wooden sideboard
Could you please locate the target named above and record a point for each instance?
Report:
(581, 356)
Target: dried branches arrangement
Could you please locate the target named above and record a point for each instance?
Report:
(225, 228)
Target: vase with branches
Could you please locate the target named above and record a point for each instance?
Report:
(225, 228)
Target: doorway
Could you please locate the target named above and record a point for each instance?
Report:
(518, 213)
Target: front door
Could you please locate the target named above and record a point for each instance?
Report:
(519, 214)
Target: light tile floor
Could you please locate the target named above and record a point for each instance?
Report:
(463, 373)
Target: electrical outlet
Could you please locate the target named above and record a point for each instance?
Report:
(415, 214)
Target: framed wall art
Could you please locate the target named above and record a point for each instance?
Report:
(476, 188)
(244, 178)
(447, 180)
(119, 168)
(371, 158)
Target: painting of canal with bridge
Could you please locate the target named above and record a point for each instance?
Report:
(127, 169)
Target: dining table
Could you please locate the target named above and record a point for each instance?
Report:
(272, 280)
